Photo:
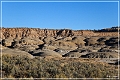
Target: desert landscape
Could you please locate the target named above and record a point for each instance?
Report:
(59, 53)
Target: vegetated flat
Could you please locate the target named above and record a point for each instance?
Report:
(51, 67)
(36, 53)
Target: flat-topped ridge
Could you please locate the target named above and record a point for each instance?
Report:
(36, 33)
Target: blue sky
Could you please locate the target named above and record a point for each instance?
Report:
(60, 15)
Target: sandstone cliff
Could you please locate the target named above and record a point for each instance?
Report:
(37, 33)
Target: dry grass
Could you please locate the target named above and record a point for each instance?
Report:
(49, 67)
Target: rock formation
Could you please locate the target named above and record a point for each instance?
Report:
(61, 43)
(37, 33)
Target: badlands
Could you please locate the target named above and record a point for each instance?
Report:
(102, 44)
(59, 53)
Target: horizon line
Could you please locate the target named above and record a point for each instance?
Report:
(61, 28)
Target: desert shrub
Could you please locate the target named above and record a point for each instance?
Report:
(23, 67)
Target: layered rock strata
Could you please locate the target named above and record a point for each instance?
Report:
(38, 33)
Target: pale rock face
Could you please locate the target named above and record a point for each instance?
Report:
(36, 33)
(7, 42)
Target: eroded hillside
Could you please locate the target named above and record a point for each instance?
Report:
(57, 53)
(37, 33)
(61, 43)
